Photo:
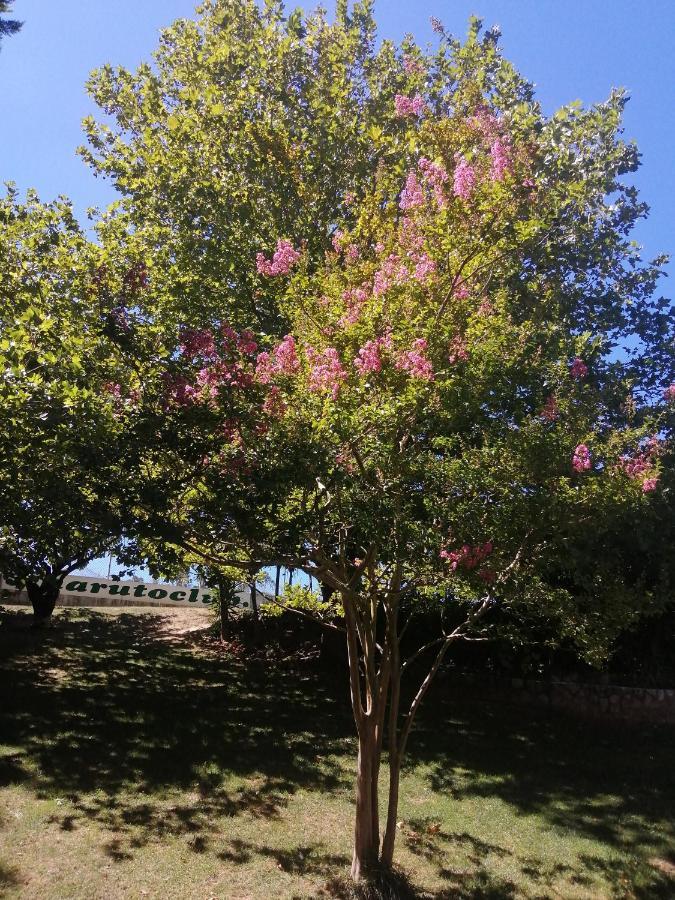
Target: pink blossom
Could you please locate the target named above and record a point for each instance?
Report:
(391, 272)
(274, 404)
(436, 176)
(413, 66)
(425, 266)
(283, 360)
(578, 369)
(467, 557)
(634, 466)
(350, 197)
(669, 393)
(486, 122)
(351, 253)
(409, 106)
(581, 460)
(410, 236)
(326, 371)
(197, 342)
(458, 351)
(354, 300)
(285, 256)
(369, 358)
(649, 484)
(246, 342)
(336, 240)
(411, 195)
(179, 391)
(436, 25)
(464, 179)
(113, 388)
(461, 291)
(550, 412)
(501, 162)
(415, 361)
(486, 308)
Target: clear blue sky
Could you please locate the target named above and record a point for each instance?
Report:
(572, 50)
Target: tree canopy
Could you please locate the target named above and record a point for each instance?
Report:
(411, 347)
(7, 26)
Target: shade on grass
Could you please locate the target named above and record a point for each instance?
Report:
(132, 761)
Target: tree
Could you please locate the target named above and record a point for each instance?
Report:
(475, 376)
(65, 344)
(7, 26)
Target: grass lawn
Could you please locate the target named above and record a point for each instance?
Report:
(139, 762)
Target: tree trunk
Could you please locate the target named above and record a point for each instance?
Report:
(254, 601)
(387, 857)
(225, 599)
(366, 835)
(277, 583)
(43, 598)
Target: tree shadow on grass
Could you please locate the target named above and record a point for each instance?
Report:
(104, 712)
(609, 782)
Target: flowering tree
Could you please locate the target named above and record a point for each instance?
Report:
(463, 381)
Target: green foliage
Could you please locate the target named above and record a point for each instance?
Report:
(7, 26)
(300, 598)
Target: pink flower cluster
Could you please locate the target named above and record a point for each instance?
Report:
(550, 412)
(197, 342)
(464, 179)
(244, 342)
(578, 369)
(415, 361)
(284, 258)
(467, 557)
(354, 300)
(326, 371)
(412, 194)
(581, 459)
(274, 404)
(501, 160)
(435, 176)
(369, 358)
(283, 360)
(669, 393)
(458, 351)
(486, 122)
(178, 391)
(635, 466)
(413, 66)
(395, 270)
(409, 106)
(640, 464)
(113, 388)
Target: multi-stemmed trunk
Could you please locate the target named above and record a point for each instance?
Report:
(375, 671)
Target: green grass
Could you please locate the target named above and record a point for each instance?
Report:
(133, 764)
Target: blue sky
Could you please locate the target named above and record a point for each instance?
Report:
(572, 50)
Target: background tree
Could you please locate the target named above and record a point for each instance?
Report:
(68, 395)
(7, 26)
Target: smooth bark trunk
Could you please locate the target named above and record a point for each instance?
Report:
(366, 835)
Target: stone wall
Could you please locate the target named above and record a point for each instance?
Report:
(596, 701)
(600, 700)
